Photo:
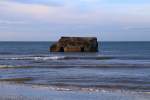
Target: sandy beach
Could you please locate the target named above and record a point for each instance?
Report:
(26, 92)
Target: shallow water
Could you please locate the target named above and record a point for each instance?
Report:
(117, 65)
(21, 92)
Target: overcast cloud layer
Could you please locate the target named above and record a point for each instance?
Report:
(47, 20)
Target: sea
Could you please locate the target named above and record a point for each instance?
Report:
(121, 66)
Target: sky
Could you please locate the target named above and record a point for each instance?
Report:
(48, 20)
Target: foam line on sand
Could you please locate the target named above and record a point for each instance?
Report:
(26, 92)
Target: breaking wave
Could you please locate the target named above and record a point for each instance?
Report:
(34, 58)
(56, 58)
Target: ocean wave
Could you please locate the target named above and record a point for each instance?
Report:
(93, 66)
(77, 66)
(6, 53)
(10, 93)
(72, 88)
(50, 58)
(13, 66)
(8, 66)
(104, 89)
(57, 58)
(62, 88)
(34, 58)
(47, 58)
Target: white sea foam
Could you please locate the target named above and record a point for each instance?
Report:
(12, 92)
(49, 58)
(35, 58)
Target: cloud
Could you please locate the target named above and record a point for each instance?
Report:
(43, 2)
(24, 9)
(137, 28)
(71, 16)
(71, 12)
(12, 22)
(133, 2)
(43, 12)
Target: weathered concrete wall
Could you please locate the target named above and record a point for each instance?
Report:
(75, 44)
(72, 49)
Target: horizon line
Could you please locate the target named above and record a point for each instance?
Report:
(56, 41)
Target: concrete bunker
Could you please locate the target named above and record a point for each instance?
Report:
(75, 44)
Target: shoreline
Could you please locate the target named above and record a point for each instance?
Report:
(14, 91)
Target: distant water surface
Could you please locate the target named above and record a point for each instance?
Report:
(117, 65)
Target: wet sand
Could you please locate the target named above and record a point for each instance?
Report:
(26, 92)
